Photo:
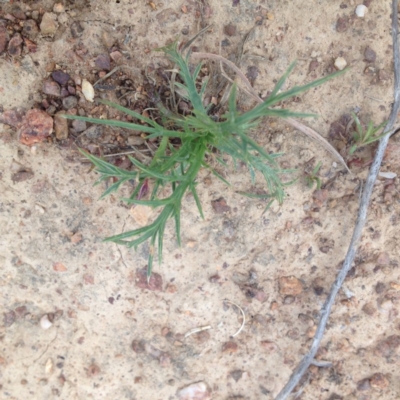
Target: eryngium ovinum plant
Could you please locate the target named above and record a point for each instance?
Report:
(200, 139)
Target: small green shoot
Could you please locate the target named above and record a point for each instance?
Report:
(313, 177)
(173, 171)
(362, 137)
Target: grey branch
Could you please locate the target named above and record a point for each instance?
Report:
(362, 215)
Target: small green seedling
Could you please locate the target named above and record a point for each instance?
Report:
(362, 137)
(202, 141)
(312, 177)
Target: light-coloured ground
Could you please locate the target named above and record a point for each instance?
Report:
(53, 260)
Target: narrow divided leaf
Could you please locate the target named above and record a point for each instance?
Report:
(174, 168)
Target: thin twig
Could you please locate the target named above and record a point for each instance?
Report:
(296, 124)
(362, 215)
(106, 76)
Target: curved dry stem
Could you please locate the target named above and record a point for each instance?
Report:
(362, 216)
(291, 121)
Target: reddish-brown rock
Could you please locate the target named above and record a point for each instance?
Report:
(51, 88)
(36, 127)
(155, 282)
(230, 347)
(379, 381)
(220, 206)
(15, 45)
(13, 117)
(290, 285)
(387, 347)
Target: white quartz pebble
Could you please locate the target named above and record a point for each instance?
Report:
(340, 63)
(87, 90)
(361, 10)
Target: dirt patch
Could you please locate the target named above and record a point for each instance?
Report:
(81, 321)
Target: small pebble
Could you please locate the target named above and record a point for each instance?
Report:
(76, 29)
(18, 13)
(361, 10)
(60, 77)
(51, 88)
(167, 16)
(369, 54)
(363, 385)
(45, 323)
(314, 64)
(87, 90)
(230, 347)
(64, 92)
(71, 90)
(9, 318)
(30, 29)
(388, 347)
(379, 381)
(195, 391)
(102, 62)
(155, 282)
(108, 39)
(288, 300)
(340, 63)
(383, 259)
(36, 127)
(69, 102)
(58, 8)
(48, 26)
(220, 206)
(290, 285)
(15, 45)
(230, 30)
(30, 46)
(49, 367)
(94, 132)
(236, 374)
(60, 126)
(79, 126)
(342, 24)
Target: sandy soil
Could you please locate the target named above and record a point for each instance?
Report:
(108, 336)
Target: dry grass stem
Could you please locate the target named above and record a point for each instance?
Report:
(197, 330)
(243, 317)
(293, 122)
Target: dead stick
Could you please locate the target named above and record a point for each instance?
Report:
(362, 215)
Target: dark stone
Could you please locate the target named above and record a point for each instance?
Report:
(230, 30)
(369, 55)
(76, 29)
(93, 132)
(51, 88)
(60, 77)
(342, 24)
(236, 374)
(30, 29)
(18, 13)
(103, 62)
(15, 45)
(69, 102)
